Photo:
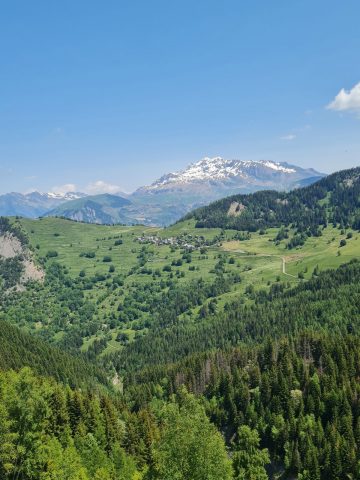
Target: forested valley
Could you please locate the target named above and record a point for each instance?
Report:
(223, 347)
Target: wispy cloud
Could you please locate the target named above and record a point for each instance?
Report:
(346, 100)
(67, 187)
(101, 187)
(92, 188)
(288, 137)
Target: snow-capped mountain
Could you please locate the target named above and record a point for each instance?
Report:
(168, 198)
(63, 196)
(247, 174)
(174, 194)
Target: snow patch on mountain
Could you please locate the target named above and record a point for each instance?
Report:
(62, 196)
(220, 169)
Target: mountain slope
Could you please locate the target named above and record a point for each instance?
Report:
(34, 204)
(101, 209)
(19, 349)
(335, 198)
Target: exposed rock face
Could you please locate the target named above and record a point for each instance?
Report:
(235, 209)
(11, 248)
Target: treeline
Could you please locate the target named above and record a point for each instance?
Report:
(334, 199)
(328, 302)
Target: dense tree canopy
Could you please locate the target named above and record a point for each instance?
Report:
(189, 447)
(334, 199)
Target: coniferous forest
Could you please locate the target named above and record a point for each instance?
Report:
(223, 347)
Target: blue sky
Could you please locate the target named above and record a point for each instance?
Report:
(121, 92)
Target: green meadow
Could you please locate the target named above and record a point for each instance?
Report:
(115, 252)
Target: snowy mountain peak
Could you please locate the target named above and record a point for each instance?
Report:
(57, 195)
(220, 169)
(67, 195)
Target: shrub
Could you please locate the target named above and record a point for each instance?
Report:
(342, 243)
(87, 254)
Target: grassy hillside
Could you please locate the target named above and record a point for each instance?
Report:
(112, 280)
(71, 240)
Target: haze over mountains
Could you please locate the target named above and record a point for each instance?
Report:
(168, 198)
(34, 204)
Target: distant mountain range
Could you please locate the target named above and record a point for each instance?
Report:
(33, 204)
(104, 209)
(168, 198)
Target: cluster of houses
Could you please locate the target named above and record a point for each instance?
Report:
(181, 242)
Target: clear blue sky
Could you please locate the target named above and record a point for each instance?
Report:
(124, 91)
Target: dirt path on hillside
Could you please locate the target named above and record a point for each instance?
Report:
(284, 268)
(283, 258)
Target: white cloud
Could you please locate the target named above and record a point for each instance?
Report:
(347, 100)
(289, 137)
(68, 187)
(101, 187)
(92, 188)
